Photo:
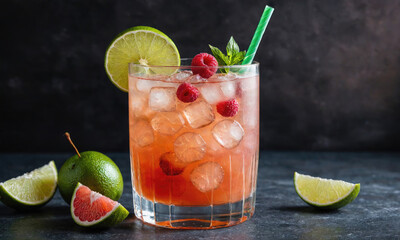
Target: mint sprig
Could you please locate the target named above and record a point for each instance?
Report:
(233, 55)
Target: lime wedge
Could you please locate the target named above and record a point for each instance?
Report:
(325, 193)
(30, 190)
(141, 45)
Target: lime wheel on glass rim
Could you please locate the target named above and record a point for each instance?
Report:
(142, 45)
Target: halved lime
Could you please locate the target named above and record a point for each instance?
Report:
(325, 193)
(31, 190)
(142, 45)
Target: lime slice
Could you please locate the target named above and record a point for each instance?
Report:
(30, 190)
(142, 45)
(325, 193)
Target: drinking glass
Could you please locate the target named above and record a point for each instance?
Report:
(193, 165)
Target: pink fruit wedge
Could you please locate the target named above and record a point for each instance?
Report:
(91, 209)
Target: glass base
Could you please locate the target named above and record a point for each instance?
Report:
(197, 217)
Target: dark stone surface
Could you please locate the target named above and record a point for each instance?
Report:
(280, 213)
(330, 70)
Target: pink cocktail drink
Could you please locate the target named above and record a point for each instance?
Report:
(193, 165)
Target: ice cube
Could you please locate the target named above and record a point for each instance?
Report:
(199, 114)
(226, 76)
(207, 176)
(146, 85)
(162, 99)
(228, 89)
(197, 79)
(214, 147)
(142, 133)
(250, 83)
(250, 117)
(167, 123)
(228, 133)
(181, 76)
(138, 103)
(250, 108)
(189, 147)
(139, 107)
(212, 93)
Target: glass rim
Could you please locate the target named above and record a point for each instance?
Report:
(255, 63)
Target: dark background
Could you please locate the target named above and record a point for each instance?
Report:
(330, 70)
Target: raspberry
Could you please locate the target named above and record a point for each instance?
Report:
(169, 164)
(187, 92)
(204, 64)
(228, 108)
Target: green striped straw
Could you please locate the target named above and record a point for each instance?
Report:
(262, 25)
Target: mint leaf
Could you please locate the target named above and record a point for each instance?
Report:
(232, 48)
(238, 58)
(221, 58)
(233, 55)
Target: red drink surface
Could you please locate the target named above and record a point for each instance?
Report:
(216, 156)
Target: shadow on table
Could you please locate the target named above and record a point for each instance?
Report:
(139, 230)
(35, 224)
(7, 212)
(40, 212)
(57, 221)
(304, 209)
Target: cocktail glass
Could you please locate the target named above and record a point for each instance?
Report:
(192, 167)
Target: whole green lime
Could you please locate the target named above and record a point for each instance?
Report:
(93, 169)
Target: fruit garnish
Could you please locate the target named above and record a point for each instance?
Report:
(204, 64)
(228, 108)
(31, 190)
(142, 45)
(325, 193)
(92, 209)
(187, 92)
(93, 169)
(233, 55)
(170, 165)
